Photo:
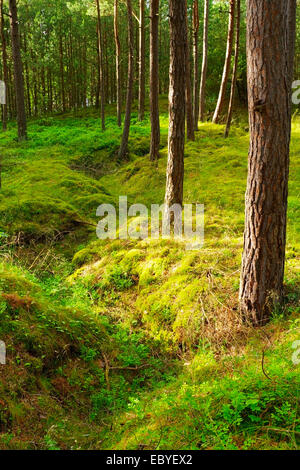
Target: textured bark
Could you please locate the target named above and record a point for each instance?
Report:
(124, 144)
(4, 62)
(142, 61)
(118, 63)
(226, 70)
(101, 75)
(270, 45)
(188, 89)
(204, 62)
(154, 80)
(178, 48)
(196, 63)
(18, 71)
(235, 68)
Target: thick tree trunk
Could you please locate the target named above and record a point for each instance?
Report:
(154, 80)
(188, 89)
(118, 63)
(124, 144)
(18, 70)
(101, 75)
(204, 62)
(178, 49)
(270, 45)
(142, 61)
(226, 70)
(4, 61)
(235, 68)
(196, 62)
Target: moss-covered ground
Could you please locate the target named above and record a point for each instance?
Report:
(136, 344)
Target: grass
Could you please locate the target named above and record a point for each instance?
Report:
(136, 344)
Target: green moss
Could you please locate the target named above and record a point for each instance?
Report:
(135, 305)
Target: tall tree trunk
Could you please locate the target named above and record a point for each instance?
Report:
(270, 45)
(124, 144)
(188, 89)
(4, 61)
(101, 75)
(142, 61)
(204, 62)
(18, 70)
(154, 80)
(235, 68)
(178, 49)
(118, 63)
(196, 62)
(62, 78)
(226, 70)
(27, 80)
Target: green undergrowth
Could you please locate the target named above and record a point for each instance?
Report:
(50, 184)
(136, 344)
(68, 366)
(222, 403)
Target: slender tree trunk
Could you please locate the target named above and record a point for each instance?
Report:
(142, 61)
(235, 68)
(62, 78)
(27, 80)
(188, 89)
(270, 46)
(101, 75)
(226, 70)
(178, 49)
(18, 70)
(204, 62)
(4, 61)
(124, 144)
(118, 63)
(196, 62)
(154, 80)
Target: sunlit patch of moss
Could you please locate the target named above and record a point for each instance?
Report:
(131, 302)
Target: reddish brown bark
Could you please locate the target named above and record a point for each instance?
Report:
(118, 63)
(18, 70)
(196, 63)
(270, 45)
(4, 62)
(178, 48)
(142, 61)
(188, 89)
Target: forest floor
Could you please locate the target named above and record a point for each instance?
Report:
(127, 344)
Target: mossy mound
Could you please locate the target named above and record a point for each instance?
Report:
(49, 200)
(181, 297)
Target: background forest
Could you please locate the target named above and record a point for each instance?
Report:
(122, 344)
